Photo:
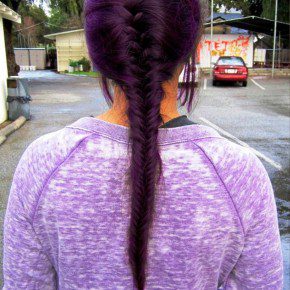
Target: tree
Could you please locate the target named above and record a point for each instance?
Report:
(13, 68)
(57, 20)
(282, 13)
(256, 7)
(247, 7)
(264, 8)
(71, 8)
(33, 26)
(232, 4)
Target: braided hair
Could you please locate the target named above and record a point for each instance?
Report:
(139, 44)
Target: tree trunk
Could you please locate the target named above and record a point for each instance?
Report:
(13, 68)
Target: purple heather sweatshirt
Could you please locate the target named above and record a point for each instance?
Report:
(66, 223)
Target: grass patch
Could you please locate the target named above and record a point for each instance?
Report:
(86, 73)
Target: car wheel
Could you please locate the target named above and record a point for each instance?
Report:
(245, 83)
(214, 83)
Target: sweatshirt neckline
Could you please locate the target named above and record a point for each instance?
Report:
(165, 135)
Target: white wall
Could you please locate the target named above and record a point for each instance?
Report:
(3, 75)
(70, 46)
(225, 44)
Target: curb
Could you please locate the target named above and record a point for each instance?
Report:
(12, 127)
(83, 76)
(2, 139)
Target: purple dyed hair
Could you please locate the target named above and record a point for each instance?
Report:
(139, 44)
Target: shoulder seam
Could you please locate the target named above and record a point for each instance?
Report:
(52, 173)
(224, 185)
(184, 140)
(97, 133)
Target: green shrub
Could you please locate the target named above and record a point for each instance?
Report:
(85, 63)
(73, 63)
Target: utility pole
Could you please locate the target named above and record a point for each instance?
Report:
(274, 42)
(280, 50)
(211, 38)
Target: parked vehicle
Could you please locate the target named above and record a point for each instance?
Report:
(230, 68)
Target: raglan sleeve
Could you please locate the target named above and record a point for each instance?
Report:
(260, 265)
(25, 264)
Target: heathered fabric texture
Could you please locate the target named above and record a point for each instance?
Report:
(68, 213)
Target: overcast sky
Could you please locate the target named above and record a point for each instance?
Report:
(44, 5)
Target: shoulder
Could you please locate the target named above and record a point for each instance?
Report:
(243, 176)
(39, 160)
(231, 159)
(49, 149)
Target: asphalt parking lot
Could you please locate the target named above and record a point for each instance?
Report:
(257, 116)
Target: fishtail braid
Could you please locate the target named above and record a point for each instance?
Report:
(139, 44)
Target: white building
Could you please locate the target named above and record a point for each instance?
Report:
(5, 13)
(225, 45)
(69, 45)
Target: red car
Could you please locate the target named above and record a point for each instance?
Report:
(230, 68)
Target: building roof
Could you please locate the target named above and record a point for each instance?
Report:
(224, 16)
(8, 13)
(256, 24)
(53, 35)
(217, 16)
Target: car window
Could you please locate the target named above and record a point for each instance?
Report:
(230, 61)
